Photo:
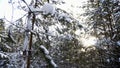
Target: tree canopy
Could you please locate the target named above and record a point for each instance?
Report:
(47, 36)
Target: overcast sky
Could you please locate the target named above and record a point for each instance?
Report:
(6, 10)
(4, 7)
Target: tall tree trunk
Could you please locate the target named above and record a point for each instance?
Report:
(30, 42)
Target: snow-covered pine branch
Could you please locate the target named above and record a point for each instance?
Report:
(48, 57)
(3, 36)
(10, 36)
(2, 55)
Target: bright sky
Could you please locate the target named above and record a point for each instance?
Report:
(6, 11)
(3, 7)
(6, 8)
(72, 6)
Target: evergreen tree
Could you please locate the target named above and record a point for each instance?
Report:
(104, 21)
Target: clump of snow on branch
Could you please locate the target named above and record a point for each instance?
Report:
(48, 9)
(65, 17)
(45, 50)
(29, 24)
(10, 35)
(2, 55)
(53, 63)
(26, 41)
(47, 56)
(118, 43)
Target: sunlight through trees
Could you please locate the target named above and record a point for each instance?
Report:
(60, 34)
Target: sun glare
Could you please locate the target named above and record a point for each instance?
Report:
(89, 41)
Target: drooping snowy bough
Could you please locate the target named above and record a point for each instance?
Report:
(48, 57)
